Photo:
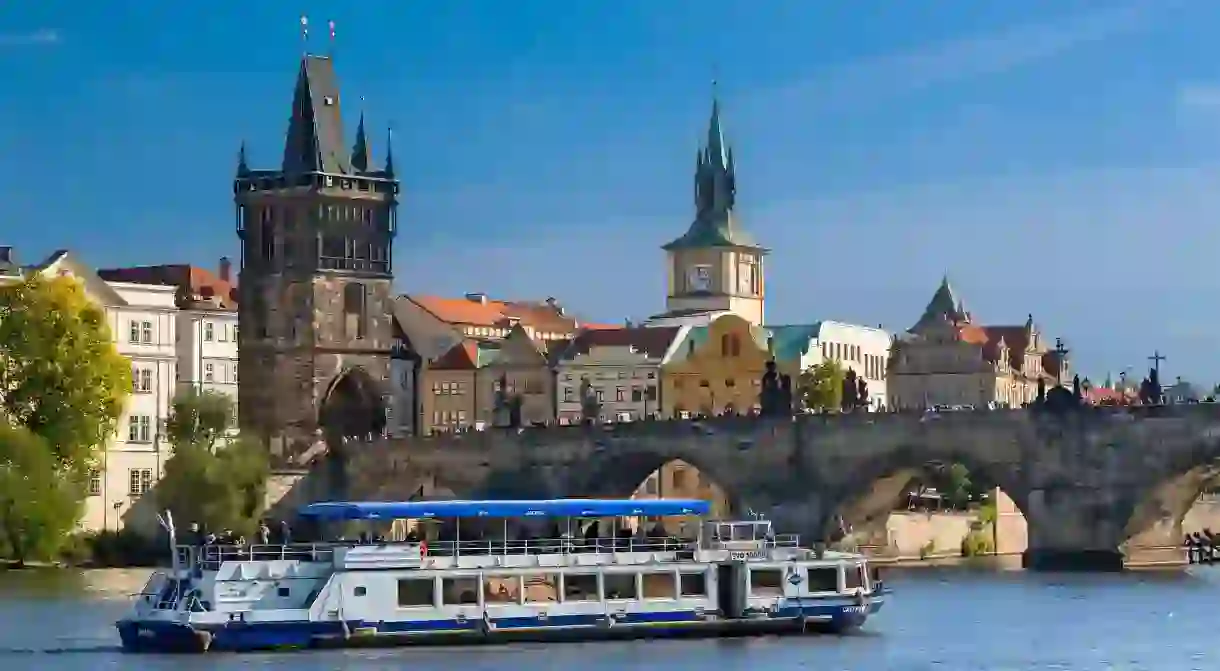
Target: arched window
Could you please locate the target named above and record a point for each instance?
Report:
(726, 345)
(355, 310)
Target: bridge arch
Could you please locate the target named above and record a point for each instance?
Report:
(861, 504)
(1156, 511)
(351, 407)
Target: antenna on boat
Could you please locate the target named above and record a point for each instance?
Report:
(166, 520)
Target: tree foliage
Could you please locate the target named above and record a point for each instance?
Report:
(39, 503)
(218, 487)
(60, 374)
(820, 387)
(199, 418)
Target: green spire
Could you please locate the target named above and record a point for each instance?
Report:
(360, 151)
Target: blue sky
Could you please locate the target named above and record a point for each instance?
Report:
(1059, 157)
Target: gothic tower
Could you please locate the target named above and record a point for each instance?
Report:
(315, 285)
(715, 266)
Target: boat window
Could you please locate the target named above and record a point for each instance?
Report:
(694, 584)
(415, 592)
(619, 586)
(359, 591)
(853, 576)
(459, 591)
(580, 587)
(766, 581)
(660, 585)
(542, 588)
(502, 589)
(283, 591)
(822, 579)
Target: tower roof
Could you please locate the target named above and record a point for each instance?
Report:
(944, 306)
(715, 195)
(315, 140)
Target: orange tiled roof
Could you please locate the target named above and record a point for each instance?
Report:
(462, 356)
(194, 283)
(540, 315)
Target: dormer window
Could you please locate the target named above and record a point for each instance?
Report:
(328, 101)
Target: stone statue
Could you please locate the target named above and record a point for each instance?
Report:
(590, 409)
(1077, 390)
(849, 401)
(769, 391)
(1041, 392)
(784, 398)
(500, 410)
(862, 392)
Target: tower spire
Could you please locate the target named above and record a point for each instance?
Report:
(360, 150)
(243, 168)
(389, 152)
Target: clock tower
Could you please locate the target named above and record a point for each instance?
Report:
(715, 266)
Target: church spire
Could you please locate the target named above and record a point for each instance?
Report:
(243, 167)
(315, 142)
(360, 150)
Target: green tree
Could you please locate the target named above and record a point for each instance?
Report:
(39, 505)
(218, 487)
(820, 387)
(60, 374)
(958, 486)
(199, 418)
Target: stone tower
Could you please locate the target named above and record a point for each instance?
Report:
(315, 285)
(715, 265)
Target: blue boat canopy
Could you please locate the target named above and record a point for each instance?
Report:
(389, 510)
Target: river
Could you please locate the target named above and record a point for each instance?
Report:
(943, 619)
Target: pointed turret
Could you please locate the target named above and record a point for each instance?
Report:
(715, 193)
(243, 168)
(315, 140)
(360, 150)
(944, 306)
(389, 153)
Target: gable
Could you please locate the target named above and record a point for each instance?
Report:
(518, 349)
(65, 262)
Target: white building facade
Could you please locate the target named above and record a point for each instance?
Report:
(863, 349)
(621, 368)
(207, 351)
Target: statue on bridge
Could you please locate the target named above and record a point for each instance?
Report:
(1150, 392)
(590, 407)
(507, 411)
(775, 395)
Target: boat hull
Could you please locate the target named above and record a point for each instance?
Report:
(180, 637)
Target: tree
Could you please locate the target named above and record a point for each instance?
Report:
(60, 374)
(220, 488)
(820, 387)
(199, 418)
(39, 505)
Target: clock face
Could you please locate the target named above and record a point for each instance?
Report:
(699, 278)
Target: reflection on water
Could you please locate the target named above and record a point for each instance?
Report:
(948, 619)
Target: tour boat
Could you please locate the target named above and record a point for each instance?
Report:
(731, 578)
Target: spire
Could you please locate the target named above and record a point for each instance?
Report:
(715, 134)
(243, 168)
(360, 151)
(944, 306)
(315, 142)
(389, 153)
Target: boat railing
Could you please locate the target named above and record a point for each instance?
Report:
(562, 545)
(210, 557)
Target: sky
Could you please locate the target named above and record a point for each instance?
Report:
(1053, 157)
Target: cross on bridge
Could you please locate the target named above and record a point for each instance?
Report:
(1156, 360)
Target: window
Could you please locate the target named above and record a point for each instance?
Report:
(146, 332)
(502, 589)
(637, 394)
(234, 334)
(651, 394)
(360, 590)
(620, 394)
(139, 481)
(725, 348)
(766, 581)
(209, 372)
(660, 585)
(139, 429)
(569, 394)
(95, 482)
(580, 587)
(208, 332)
(415, 592)
(692, 584)
(825, 579)
(853, 577)
(619, 586)
(459, 591)
(144, 381)
(134, 335)
(355, 310)
(283, 591)
(542, 588)
(601, 396)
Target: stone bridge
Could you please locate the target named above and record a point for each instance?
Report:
(1095, 485)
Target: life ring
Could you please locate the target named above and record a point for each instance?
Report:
(203, 640)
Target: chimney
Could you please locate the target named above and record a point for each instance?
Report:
(226, 269)
(477, 298)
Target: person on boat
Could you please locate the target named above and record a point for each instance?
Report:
(285, 533)
(264, 533)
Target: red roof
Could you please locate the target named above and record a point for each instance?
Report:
(195, 285)
(479, 310)
(653, 342)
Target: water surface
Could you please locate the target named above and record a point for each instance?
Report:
(950, 619)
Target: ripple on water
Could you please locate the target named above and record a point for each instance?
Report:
(941, 620)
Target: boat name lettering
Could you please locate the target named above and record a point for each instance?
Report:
(854, 609)
(739, 555)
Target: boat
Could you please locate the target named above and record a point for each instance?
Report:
(733, 578)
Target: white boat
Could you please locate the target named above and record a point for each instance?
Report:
(734, 578)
